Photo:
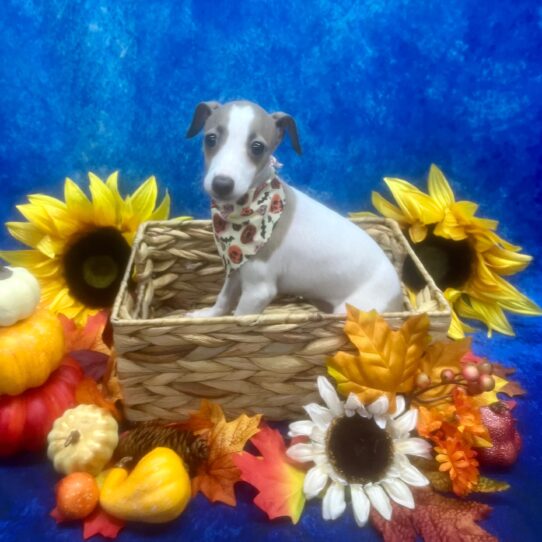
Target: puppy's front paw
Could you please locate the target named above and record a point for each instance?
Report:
(209, 312)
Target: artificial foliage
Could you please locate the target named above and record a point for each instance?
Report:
(387, 359)
(216, 476)
(278, 478)
(435, 518)
(78, 248)
(404, 422)
(463, 253)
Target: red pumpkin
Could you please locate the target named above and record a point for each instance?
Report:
(26, 419)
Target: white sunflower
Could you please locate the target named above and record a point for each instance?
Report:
(362, 448)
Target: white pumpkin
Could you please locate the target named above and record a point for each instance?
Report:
(19, 294)
(83, 439)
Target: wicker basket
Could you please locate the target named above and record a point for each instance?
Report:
(264, 363)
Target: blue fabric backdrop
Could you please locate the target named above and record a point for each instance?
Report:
(377, 87)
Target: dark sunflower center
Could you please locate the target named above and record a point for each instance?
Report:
(448, 262)
(94, 266)
(358, 449)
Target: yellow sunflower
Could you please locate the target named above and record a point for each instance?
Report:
(80, 247)
(462, 252)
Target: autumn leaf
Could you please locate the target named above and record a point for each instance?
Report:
(440, 481)
(87, 337)
(217, 476)
(501, 370)
(386, 360)
(101, 523)
(98, 522)
(88, 393)
(277, 478)
(208, 415)
(513, 389)
(435, 519)
(86, 345)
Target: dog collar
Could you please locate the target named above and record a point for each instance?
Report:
(241, 229)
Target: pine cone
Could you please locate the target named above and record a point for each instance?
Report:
(193, 449)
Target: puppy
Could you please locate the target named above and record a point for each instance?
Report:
(274, 239)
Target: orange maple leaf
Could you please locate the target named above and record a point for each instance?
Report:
(386, 360)
(88, 393)
(217, 476)
(438, 356)
(87, 337)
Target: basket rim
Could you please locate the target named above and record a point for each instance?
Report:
(276, 317)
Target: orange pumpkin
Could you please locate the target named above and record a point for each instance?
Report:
(25, 420)
(77, 495)
(30, 350)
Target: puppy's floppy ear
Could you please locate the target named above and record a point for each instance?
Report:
(201, 114)
(286, 123)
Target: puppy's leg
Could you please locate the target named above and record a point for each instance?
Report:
(255, 299)
(226, 300)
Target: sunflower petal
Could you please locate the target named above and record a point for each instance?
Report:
(399, 492)
(104, 203)
(417, 232)
(23, 258)
(47, 201)
(387, 209)
(25, 232)
(46, 246)
(506, 262)
(162, 211)
(333, 504)
(379, 500)
(488, 313)
(112, 183)
(144, 199)
(439, 188)
(77, 202)
(329, 395)
(360, 504)
(315, 482)
(37, 216)
(413, 202)
(413, 446)
(301, 428)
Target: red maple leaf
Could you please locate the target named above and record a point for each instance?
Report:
(274, 474)
(435, 519)
(100, 522)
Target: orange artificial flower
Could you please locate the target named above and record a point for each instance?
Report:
(458, 459)
(469, 419)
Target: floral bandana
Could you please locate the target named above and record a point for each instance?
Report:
(242, 228)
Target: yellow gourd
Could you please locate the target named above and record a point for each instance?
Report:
(156, 491)
(83, 439)
(30, 351)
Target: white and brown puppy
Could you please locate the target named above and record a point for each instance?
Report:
(313, 252)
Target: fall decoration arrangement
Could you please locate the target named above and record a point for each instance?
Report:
(79, 247)
(400, 437)
(465, 256)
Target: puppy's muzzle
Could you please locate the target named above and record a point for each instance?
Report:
(222, 186)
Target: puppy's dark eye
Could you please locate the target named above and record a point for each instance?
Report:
(257, 148)
(210, 140)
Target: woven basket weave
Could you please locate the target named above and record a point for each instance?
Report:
(265, 363)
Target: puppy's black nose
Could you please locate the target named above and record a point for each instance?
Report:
(222, 186)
